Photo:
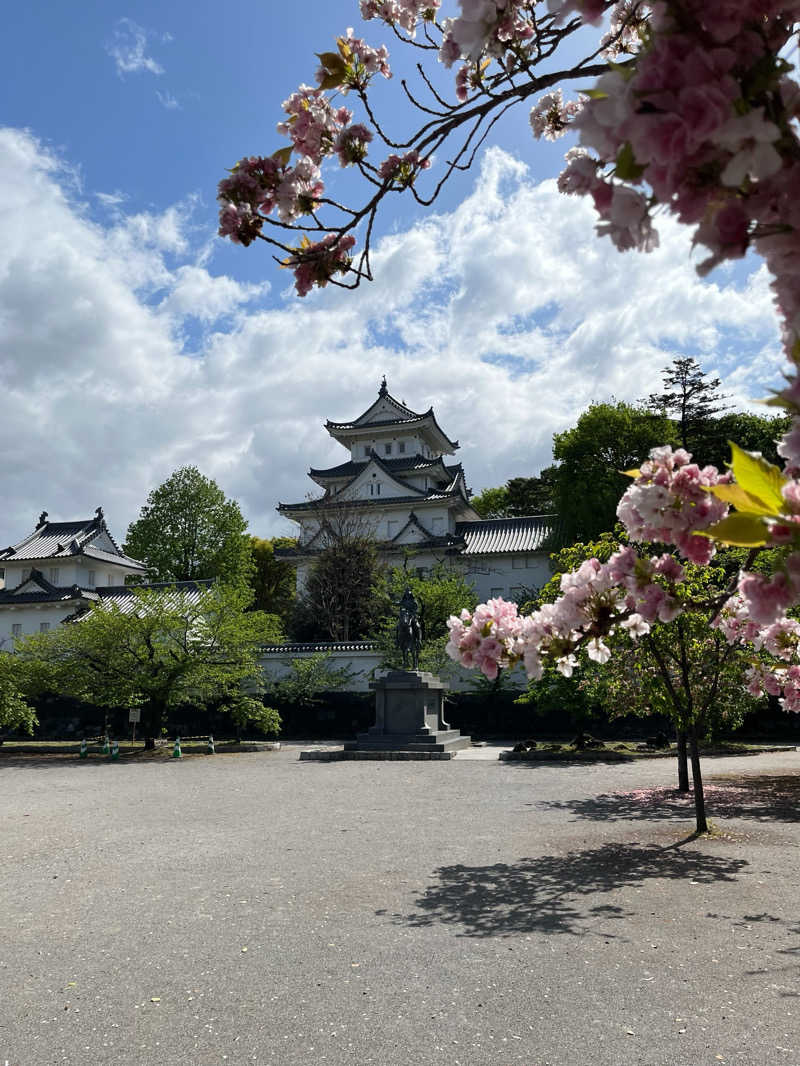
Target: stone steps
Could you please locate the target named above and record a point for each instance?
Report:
(351, 755)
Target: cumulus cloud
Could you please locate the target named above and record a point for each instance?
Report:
(507, 314)
(128, 49)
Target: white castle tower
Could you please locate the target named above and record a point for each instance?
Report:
(397, 487)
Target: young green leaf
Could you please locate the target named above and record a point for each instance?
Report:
(758, 477)
(740, 530)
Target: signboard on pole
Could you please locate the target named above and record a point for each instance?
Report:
(134, 715)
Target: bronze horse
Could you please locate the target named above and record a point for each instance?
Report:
(408, 637)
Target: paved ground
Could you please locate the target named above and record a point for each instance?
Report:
(255, 909)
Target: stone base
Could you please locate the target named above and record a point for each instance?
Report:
(435, 740)
(353, 755)
(409, 706)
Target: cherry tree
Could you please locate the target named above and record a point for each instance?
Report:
(686, 107)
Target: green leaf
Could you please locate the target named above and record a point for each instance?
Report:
(744, 502)
(594, 94)
(335, 69)
(627, 169)
(740, 530)
(758, 478)
(283, 155)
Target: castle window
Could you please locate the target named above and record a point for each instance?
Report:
(518, 562)
(16, 629)
(54, 575)
(401, 447)
(111, 579)
(495, 593)
(387, 448)
(91, 579)
(44, 627)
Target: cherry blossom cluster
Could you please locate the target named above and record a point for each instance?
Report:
(492, 28)
(551, 115)
(259, 185)
(628, 592)
(404, 13)
(669, 502)
(313, 123)
(627, 23)
(402, 169)
(779, 638)
(704, 118)
(351, 144)
(315, 263)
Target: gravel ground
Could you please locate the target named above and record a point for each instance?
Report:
(256, 909)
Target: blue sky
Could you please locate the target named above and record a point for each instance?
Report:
(132, 340)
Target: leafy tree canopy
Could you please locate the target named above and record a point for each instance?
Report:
(519, 496)
(338, 600)
(272, 579)
(607, 439)
(15, 712)
(188, 531)
(169, 649)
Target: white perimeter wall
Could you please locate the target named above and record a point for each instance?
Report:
(365, 665)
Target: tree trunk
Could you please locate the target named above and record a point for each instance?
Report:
(152, 722)
(697, 781)
(683, 762)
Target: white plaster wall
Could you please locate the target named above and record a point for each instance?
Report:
(30, 616)
(361, 664)
(505, 575)
(366, 664)
(70, 572)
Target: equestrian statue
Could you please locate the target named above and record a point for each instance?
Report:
(408, 631)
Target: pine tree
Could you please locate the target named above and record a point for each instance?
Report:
(691, 400)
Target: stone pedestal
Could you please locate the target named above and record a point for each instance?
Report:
(409, 716)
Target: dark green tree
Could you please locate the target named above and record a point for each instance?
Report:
(607, 439)
(519, 496)
(272, 579)
(754, 433)
(338, 600)
(691, 400)
(188, 530)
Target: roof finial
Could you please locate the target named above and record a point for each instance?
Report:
(42, 520)
(98, 514)
(383, 391)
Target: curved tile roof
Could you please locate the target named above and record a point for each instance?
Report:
(65, 540)
(427, 416)
(410, 463)
(326, 505)
(501, 535)
(293, 649)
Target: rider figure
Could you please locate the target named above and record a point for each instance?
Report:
(409, 604)
(409, 628)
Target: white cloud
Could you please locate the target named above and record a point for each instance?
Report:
(128, 49)
(507, 315)
(168, 101)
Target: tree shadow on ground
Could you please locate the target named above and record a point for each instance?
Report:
(557, 893)
(774, 798)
